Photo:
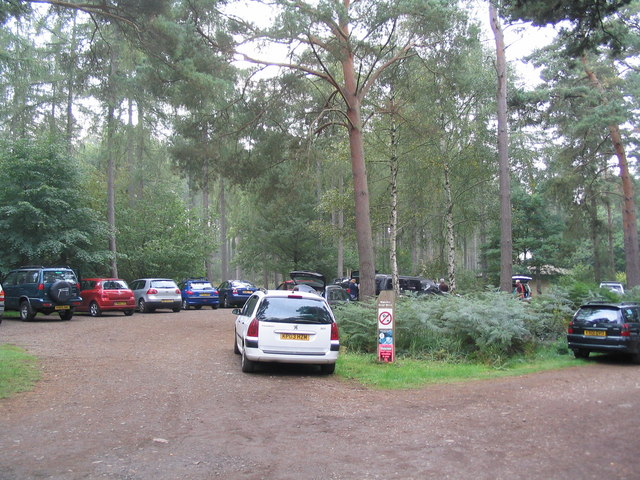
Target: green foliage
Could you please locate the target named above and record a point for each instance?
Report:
(43, 216)
(487, 326)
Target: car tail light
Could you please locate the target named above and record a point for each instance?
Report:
(252, 331)
(177, 290)
(189, 292)
(152, 291)
(626, 331)
(41, 286)
(1, 295)
(294, 296)
(570, 329)
(234, 291)
(334, 331)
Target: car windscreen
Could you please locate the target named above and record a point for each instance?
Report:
(243, 285)
(114, 285)
(597, 315)
(51, 276)
(163, 284)
(293, 310)
(200, 286)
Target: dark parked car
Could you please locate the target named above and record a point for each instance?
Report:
(314, 282)
(607, 328)
(235, 292)
(198, 292)
(36, 289)
(408, 284)
(106, 295)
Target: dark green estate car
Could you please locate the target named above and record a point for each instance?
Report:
(607, 328)
(34, 289)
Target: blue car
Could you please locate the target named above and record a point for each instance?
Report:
(198, 292)
(235, 292)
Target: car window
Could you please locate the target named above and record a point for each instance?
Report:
(51, 276)
(630, 314)
(200, 285)
(114, 285)
(249, 306)
(337, 294)
(163, 284)
(87, 284)
(11, 279)
(597, 314)
(223, 285)
(293, 310)
(243, 285)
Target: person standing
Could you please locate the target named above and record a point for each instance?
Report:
(354, 290)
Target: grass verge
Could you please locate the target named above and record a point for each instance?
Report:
(410, 373)
(18, 370)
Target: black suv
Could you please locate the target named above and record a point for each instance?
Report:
(605, 327)
(34, 289)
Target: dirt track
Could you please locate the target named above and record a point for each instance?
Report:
(161, 396)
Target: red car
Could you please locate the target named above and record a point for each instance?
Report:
(106, 295)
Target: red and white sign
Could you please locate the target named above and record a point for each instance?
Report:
(385, 318)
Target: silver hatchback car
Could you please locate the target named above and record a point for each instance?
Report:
(153, 293)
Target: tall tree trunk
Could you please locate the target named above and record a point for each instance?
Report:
(70, 85)
(506, 241)
(111, 161)
(224, 251)
(358, 169)
(340, 225)
(393, 234)
(592, 209)
(448, 222)
(629, 217)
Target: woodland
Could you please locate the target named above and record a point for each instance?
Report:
(246, 139)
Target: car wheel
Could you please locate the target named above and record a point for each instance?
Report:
(198, 307)
(128, 313)
(580, 353)
(142, 306)
(635, 358)
(185, 305)
(248, 366)
(26, 312)
(176, 309)
(214, 307)
(327, 369)
(94, 310)
(66, 315)
(226, 303)
(236, 350)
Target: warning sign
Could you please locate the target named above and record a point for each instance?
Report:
(385, 318)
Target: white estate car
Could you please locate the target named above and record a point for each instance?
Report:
(283, 326)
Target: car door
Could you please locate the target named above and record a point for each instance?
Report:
(245, 316)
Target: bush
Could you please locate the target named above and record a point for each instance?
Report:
(482, 326)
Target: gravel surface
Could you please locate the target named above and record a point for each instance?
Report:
(161, 396)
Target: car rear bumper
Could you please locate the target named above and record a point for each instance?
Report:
(164, 304)
(203, 301)
(258, 355)
(612, 345)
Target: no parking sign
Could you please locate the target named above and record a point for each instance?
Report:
(386, 326)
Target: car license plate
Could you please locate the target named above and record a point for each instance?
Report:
(62, 307)
(167, 300)
(205, 294)
(294, 336)
(119, 303)
(595, 333)
(248, 292)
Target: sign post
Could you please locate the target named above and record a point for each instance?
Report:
(386, 326)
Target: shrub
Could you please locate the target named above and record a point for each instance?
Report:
(484, 326)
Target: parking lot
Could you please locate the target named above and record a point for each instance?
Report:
(161, 396)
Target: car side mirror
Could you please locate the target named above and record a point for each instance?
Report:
(236, 311)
